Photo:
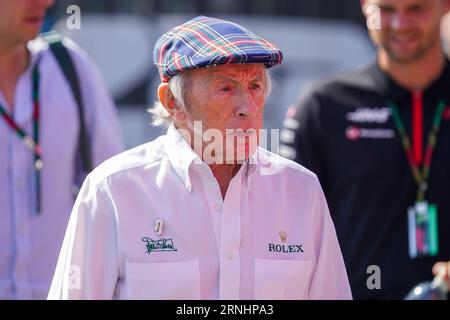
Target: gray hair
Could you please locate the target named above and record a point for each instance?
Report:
(177, 84)
(160, 116)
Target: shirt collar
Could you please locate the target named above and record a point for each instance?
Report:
(181, 156)
(386, 84)
(250, 168)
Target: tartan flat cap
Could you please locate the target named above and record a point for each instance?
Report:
(204, 42)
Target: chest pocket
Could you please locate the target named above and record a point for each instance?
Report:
(281, 279)
(163, 280)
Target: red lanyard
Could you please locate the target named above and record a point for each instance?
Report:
(32, 142)
(421, 177)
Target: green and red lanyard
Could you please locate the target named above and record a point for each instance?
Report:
(420, 176)
(30, 141)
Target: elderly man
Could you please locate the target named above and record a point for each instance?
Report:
(167, 220)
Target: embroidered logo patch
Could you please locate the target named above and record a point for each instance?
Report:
(283, 247)
(159, 245)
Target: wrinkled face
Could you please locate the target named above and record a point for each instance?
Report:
(409, 28)
(21, 20)
(226, 98)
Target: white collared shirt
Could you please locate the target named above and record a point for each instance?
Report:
(30, 243)
(270, 238)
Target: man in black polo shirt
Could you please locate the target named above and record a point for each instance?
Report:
(379, 141)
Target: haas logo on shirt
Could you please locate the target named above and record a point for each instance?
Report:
(369, 115)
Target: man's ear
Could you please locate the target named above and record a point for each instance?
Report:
(167, 99)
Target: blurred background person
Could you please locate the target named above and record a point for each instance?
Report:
(40, 144)
(378, 140)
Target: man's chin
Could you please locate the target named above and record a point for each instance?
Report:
(405, 57)
(29, 35)
(407, 53)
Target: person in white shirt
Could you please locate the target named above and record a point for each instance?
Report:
(39, 143)
(191, 216)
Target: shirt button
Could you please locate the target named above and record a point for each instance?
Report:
(230, 256)
(218, 207)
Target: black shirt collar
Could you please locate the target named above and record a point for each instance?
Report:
(439, 89)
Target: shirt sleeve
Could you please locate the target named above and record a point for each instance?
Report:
(301, 134)
(87, 267)
(101, 115)
(329, 280)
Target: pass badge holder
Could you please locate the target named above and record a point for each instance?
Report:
(423, 230)
(422, 217)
